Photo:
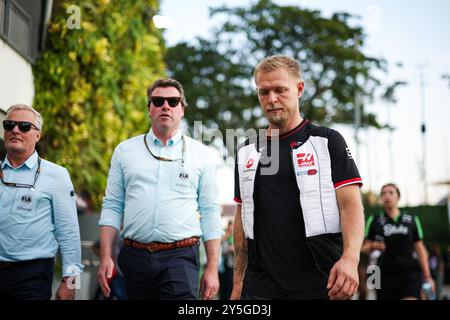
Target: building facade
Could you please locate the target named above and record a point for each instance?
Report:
(23, 26)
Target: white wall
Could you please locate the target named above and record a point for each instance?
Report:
(16, 78)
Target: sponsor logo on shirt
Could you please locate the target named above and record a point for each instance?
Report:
(349, 154)
(249, 163)
(390, 229)
(295, 144)
(406, 218)
(310, 172)
(305, 159)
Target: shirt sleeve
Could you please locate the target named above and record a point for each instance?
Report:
(67, 231)
(114, 200)
(417, 230)
(343, 167)
(208, 203)
(237, 190)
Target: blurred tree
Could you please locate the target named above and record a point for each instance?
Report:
(91, 85)
(217, 89)
(389, 93)
(217, 73)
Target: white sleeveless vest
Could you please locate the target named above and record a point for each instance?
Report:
(312, 165)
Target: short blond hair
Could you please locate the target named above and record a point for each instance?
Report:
(39, 121)
(279, 61)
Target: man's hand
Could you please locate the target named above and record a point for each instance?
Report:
(105, 273)
(64, 293)
(210, 283)
(343, 280)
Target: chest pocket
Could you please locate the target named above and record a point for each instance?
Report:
(185, 179)
(25, 204)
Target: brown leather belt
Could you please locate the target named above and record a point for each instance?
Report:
(158, 246)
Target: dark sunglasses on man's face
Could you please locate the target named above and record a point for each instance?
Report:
(159, 101)
(24, 126)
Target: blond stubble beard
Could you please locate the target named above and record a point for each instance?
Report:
(278, 120)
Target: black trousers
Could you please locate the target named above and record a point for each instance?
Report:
(27, 280)
(162, 275)
(399, 286)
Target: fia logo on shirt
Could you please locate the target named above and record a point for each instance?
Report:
(184, 176)
(24, 205)
(27, 199)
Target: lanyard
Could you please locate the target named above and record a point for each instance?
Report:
(183, 152)
(21, 185)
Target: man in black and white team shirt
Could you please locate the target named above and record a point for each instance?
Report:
(298, 228)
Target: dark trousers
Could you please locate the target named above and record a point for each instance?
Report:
(162, 275)
(399, 286)
(226, 283)
(250, 296)
(27, 280)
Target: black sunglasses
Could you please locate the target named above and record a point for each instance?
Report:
(24, 126)
(159, 101)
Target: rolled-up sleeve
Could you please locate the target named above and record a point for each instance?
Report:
(114, 200)
(208, 203)
(67, 230)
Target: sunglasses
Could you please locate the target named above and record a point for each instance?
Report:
(24, 126)
(159, 101)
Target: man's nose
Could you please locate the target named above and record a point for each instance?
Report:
(165, 105)
(272, 98)
(16, 129)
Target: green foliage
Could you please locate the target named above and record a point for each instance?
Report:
(217, 73)
(91, 85)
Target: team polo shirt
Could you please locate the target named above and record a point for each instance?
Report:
(280, 263)
(399, 235)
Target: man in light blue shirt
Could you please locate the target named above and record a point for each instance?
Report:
(37, 215)
(161, 193)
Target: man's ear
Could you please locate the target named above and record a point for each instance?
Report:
(38, 136)
(148, 111)
(300, 88)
